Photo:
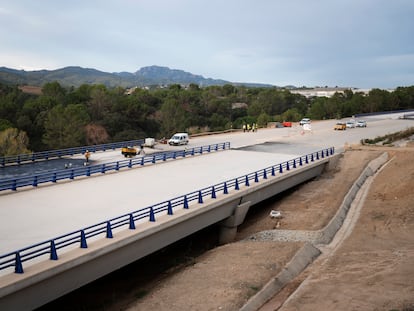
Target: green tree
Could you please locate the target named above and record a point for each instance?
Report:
(376, 101)
(173, 118)
(291, 115)
(64, 126)
(99, 103)
(263, 119)
(11, 102)
(317, 110)
(218, 122)
(54, 90)
(5, 124)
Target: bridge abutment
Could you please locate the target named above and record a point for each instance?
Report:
(228, 229)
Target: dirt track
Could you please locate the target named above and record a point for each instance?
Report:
(371, 270)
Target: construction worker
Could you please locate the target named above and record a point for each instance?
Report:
(141, 150)
(87, 155)
(254, 127)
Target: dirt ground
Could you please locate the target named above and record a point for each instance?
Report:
(373, 269)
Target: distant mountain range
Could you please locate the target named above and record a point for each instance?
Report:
(76, 76)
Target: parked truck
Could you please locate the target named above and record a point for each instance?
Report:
(129, 151)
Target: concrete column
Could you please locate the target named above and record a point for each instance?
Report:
(228, 228)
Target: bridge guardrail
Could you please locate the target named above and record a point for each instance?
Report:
(367, 114)
(71, 173)
(50, 154)
(80, 237)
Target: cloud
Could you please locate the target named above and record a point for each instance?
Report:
(300, 42)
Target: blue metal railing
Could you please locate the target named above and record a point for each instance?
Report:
(80, 237)
(71, 173)
(367, 114)
(50, 154)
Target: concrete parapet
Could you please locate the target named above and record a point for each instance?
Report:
(329, 231)
(306, 255)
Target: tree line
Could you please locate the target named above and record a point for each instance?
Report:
(93, 114)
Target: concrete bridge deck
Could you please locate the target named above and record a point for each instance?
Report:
(33, 215)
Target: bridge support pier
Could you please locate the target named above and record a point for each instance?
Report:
(228, 228)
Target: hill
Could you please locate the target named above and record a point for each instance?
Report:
(76, 76)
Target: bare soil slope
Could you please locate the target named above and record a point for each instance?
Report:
(372, 270)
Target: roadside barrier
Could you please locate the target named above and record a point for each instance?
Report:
(71, 173)
(49, 249)
(52, 154)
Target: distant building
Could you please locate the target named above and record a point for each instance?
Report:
(238, 105)
(320, 91)
(132, 89)
(329, 91)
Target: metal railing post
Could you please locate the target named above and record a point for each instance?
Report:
(131, 222)
(200, 197)
(18, 267)
(83, 243)
(213, 192)
(53, 253)
(185, 202)
(151, 215)
(109, 230)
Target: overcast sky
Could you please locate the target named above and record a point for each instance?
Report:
(354, 43)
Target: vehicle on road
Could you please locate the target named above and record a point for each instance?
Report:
(304, 121)
(340, 126)
(361, 123)
(149, 142)
(178, 139)
(129, 151)
(350, 124)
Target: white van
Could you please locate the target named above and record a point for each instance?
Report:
(178, 139)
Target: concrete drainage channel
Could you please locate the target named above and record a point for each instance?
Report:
(314, 240)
